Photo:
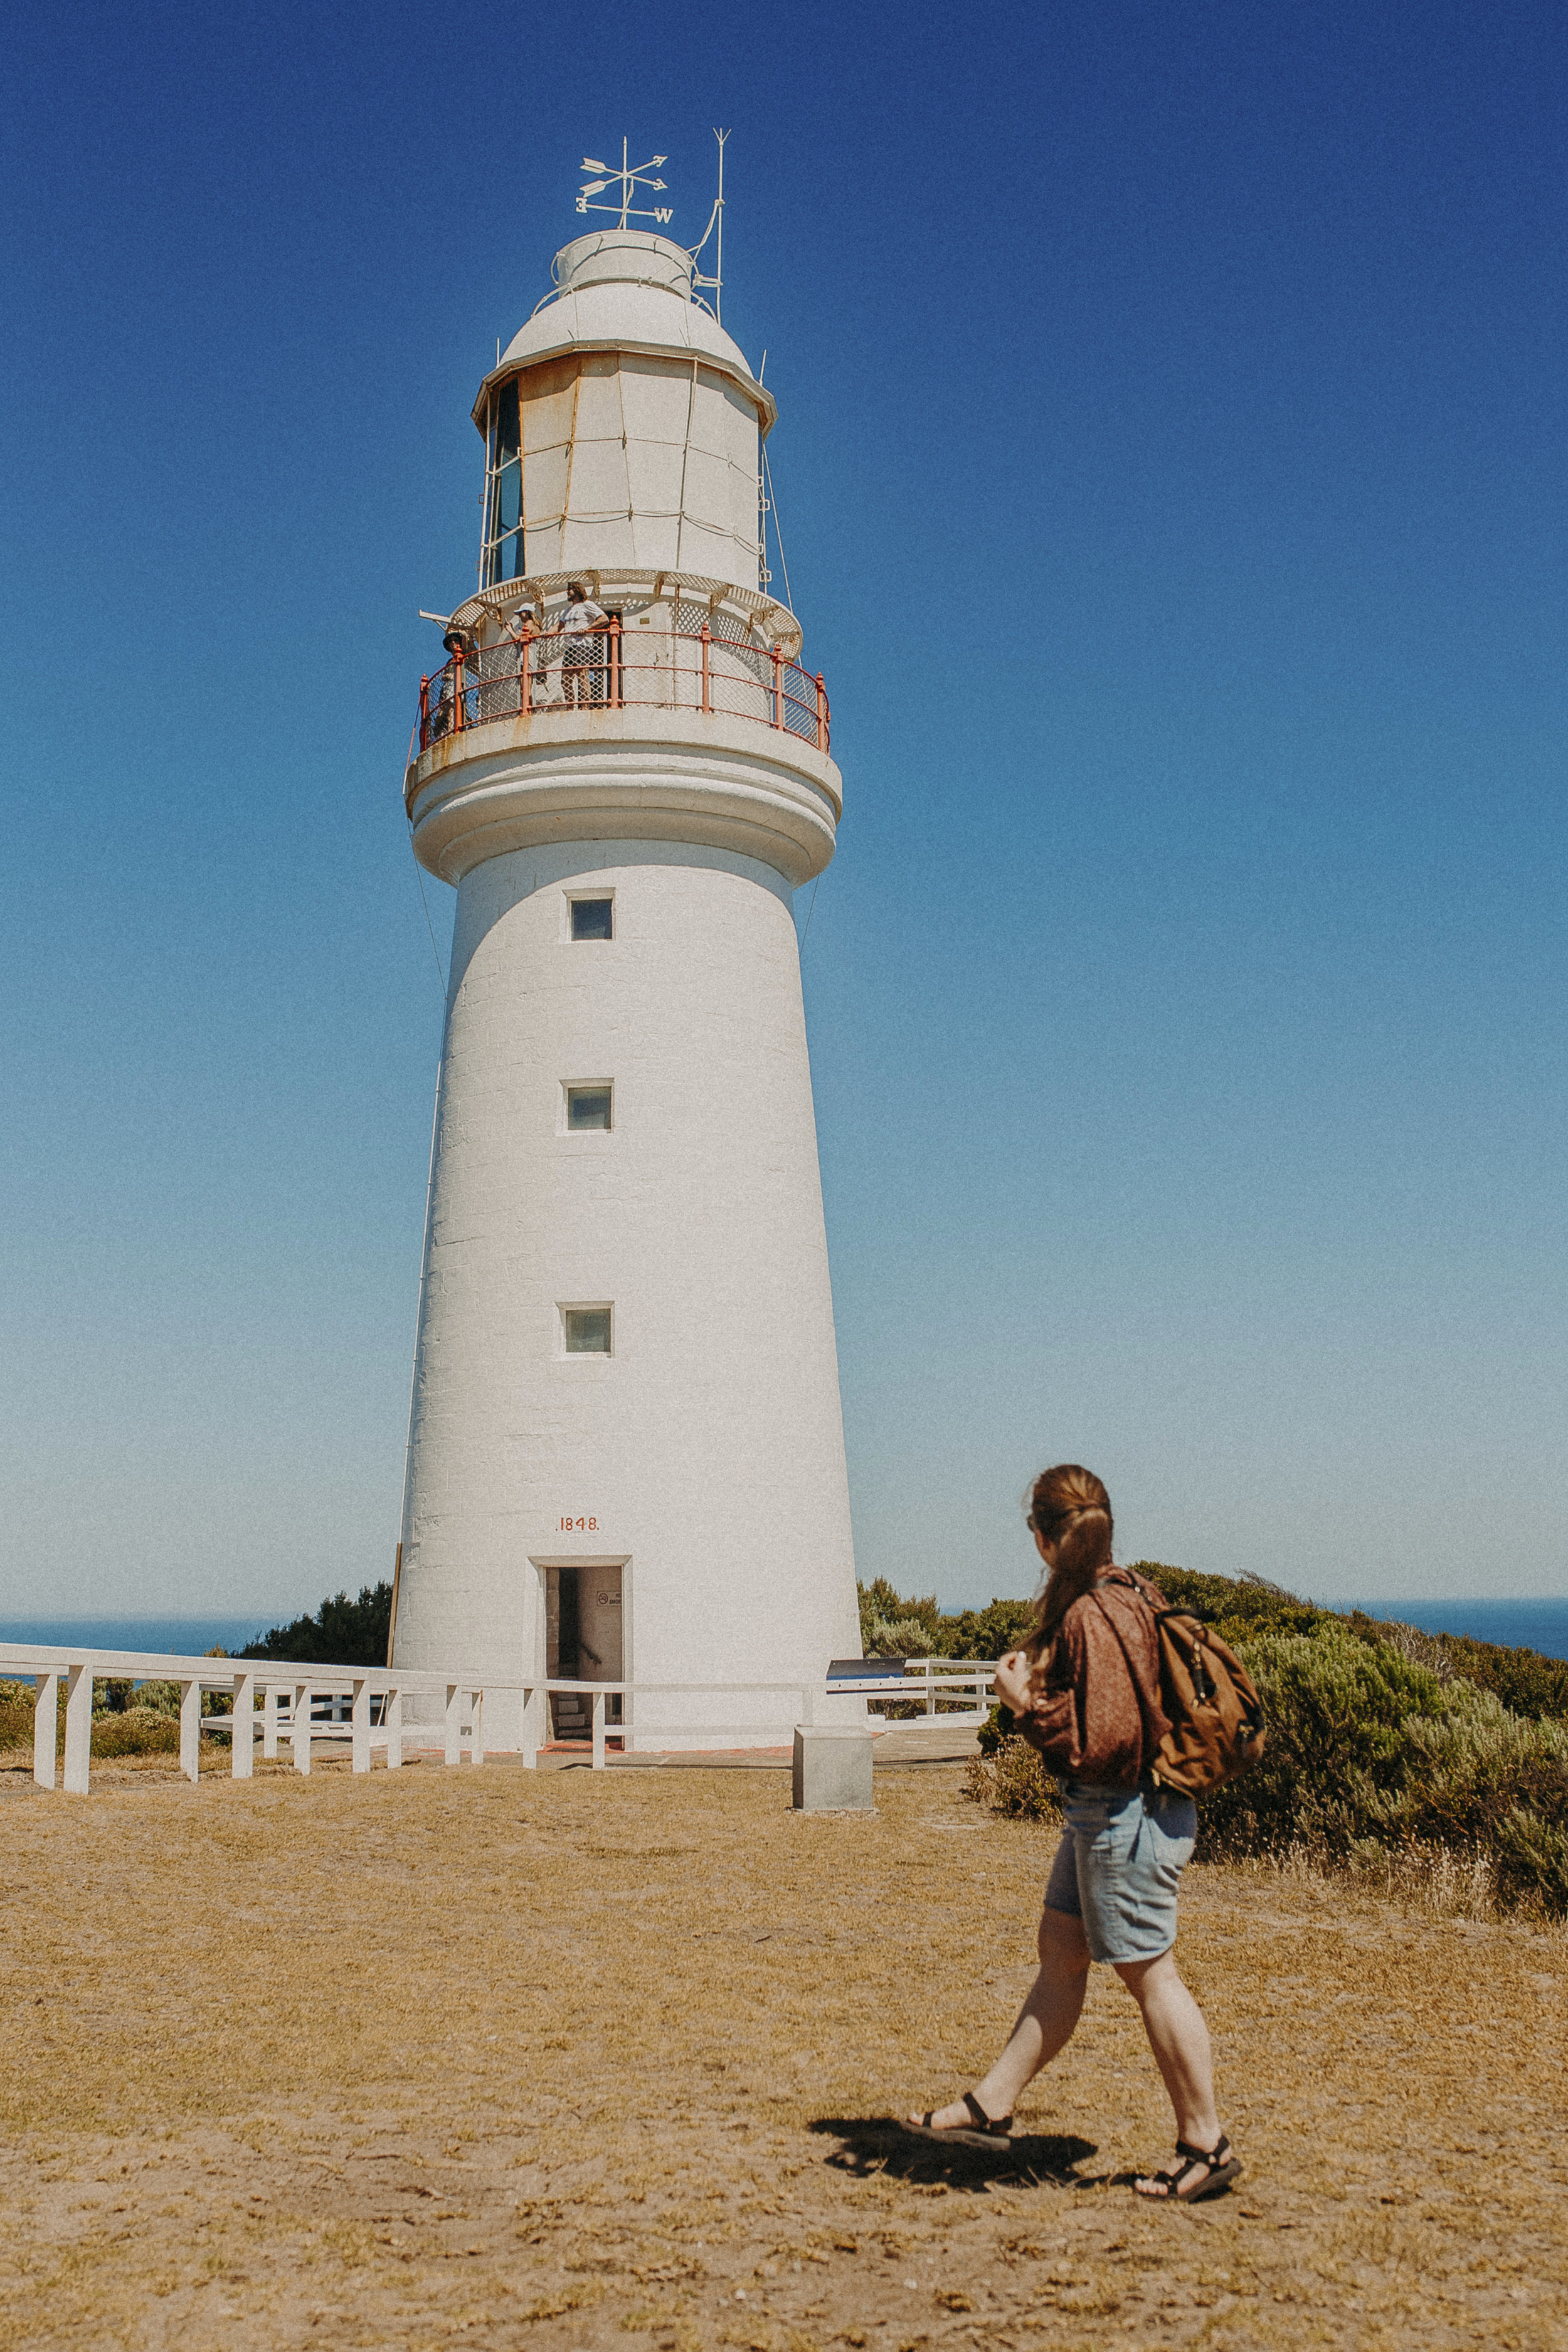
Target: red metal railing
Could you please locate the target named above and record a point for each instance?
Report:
(618, 669)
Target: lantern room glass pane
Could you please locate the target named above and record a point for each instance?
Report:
(503, 523)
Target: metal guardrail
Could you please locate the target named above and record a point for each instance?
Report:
(548, 671)
(288, 1692)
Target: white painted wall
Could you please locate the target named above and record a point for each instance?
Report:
(708, 1448)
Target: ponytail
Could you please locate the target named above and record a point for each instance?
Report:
(1070, 1509)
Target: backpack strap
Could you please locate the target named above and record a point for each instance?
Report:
(1151, 1747)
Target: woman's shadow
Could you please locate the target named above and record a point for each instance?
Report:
(870, 2144)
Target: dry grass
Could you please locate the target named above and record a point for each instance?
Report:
(589, 2061)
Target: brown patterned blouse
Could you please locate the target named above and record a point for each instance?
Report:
(1094, 1716)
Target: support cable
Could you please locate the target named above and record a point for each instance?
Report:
(778, 535)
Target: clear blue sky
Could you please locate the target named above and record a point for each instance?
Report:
(1172, 470)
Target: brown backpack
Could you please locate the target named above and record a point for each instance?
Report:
(1209, 1699)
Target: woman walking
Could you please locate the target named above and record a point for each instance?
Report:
(1085, 1691)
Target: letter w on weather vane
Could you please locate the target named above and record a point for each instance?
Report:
(627, 180)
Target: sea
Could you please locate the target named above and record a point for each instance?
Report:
(1520, 1624)
(183, 1637)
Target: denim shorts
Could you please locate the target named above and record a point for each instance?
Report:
(1118, 1866)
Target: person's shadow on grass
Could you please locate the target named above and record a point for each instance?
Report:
(870, 2143)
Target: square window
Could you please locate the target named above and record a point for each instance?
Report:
(586, 1330)
(593, 919)
(587, 1109)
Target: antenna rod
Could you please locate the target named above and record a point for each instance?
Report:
(719, 267)
(625, 182)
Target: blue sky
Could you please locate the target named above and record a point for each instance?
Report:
(1171, 464)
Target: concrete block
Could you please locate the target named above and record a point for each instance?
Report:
(832, 1768)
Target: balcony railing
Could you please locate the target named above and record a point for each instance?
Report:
(546, 671)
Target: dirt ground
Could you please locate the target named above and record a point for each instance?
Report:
(580, 2060)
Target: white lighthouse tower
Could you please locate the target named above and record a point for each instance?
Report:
(626, 1446)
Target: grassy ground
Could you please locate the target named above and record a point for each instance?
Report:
(581, 2060)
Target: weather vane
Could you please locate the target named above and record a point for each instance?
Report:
(628, 181)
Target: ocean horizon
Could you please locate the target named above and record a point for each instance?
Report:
(182, 1637)
(1528, 1624)
(1540, 1625)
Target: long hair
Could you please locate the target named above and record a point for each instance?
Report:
(1070, 1508)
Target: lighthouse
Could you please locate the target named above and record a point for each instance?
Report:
(625, 1458)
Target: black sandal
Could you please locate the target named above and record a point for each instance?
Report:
(985, 2131)
(1223, 2167)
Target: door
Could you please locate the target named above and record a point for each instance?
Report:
(599, 1645)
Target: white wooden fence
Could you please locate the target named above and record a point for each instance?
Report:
(276, 1699)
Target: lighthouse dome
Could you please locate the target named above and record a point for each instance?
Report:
(624, 289)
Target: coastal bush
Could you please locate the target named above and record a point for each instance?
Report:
(1366, 1747)
(136, 1731)
(1527, 1683)
(15, 1715)
(343, 1632)
(894, 1625)
(139, 1730)
(1011, 1778)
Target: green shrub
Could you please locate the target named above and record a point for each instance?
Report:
(1367, 1746)
(1236, 1606)
(157, 1698)
(997, 1727)
(136, 1731)
(343, 1632)
(15, 1715)
(988, 1633)
(894, 1625)
(1526, 1682)
(1013, 1780)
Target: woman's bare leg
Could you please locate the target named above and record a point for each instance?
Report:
(1045, 2024)
(1180, 2040)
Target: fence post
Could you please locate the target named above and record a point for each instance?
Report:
(532, 1700)
(79, 1728)
(191, 1729)
(392, 1722)
(476, 1727)
(360, 1718)
(299, 1723)
(821, 713)
(931, 1690)
(598, 1731)
(45, 1729)
(778, 686)
(454, 1725)
(270, 1721)
(243, 1736)
(707, 670)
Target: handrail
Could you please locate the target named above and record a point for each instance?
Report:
(530, 672)
(461, 1692)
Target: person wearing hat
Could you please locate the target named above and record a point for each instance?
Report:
(449, 703)
(581, 681)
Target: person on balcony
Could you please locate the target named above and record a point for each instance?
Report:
(581, 658)
(448, 713)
